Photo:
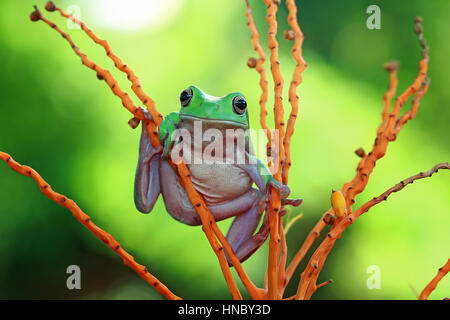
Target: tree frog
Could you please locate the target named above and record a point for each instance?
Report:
(226, 186)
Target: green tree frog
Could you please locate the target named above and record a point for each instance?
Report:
(225, 183)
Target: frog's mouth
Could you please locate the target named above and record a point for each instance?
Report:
(213, 122)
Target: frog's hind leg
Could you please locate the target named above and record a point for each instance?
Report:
(147, 182)
(241, 233)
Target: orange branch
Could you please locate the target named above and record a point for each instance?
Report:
(392, 68)
(312, 236)
(275, 203)
(309, 277)
(283, 258)
(86, 221)
(294, 101)
(136, 83)
(433, 283)
(259, 65)
(387, 131)
(101, 73)
(296, 81)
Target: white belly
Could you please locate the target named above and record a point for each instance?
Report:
(219, 182)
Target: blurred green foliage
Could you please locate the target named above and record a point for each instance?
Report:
(58, 118)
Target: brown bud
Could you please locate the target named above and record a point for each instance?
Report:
(289, 34)
(269, 151)
(329, 219)
(277, 2)
(50, 6)
(360, 152)
(99, 76)
(391, 66)
(418, 19)
(133, 123)
(35, 15)
(251, 63)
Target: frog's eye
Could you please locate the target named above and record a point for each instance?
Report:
(186, 97)
(239, 104)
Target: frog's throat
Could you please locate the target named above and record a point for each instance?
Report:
(221, 121)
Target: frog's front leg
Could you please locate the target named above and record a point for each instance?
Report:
(167, 131)
(262, 177)
(147, 182)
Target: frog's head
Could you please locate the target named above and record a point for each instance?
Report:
(230, 110)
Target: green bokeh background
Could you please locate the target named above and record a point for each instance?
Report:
(58, 118)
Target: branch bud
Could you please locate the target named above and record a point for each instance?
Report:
(289, 34)
(35, 15)
(50, 6)
(391, 66)
(133, 123)
(251, 63)
(329, 219)
(360, 152)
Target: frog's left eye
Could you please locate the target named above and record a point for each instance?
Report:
(186, 97)
(239, 104)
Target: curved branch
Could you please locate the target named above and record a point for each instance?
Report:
(275, 202)
(259, 66)
(307, 284)
(433, 283)
(85, 220)
(399, 186)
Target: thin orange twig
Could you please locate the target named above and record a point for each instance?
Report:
(294, 101)
(307, 285)
(86, 221)
(275, 203)
(312, 236)
(101, 73)
(136, 83)
(296, 81)
(433, 283)
(259, 66)
(391, 125)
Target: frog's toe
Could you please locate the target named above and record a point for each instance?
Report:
(284, 191)
(291, 202)
(281, 188)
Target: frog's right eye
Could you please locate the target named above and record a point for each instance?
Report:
(186, 97)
